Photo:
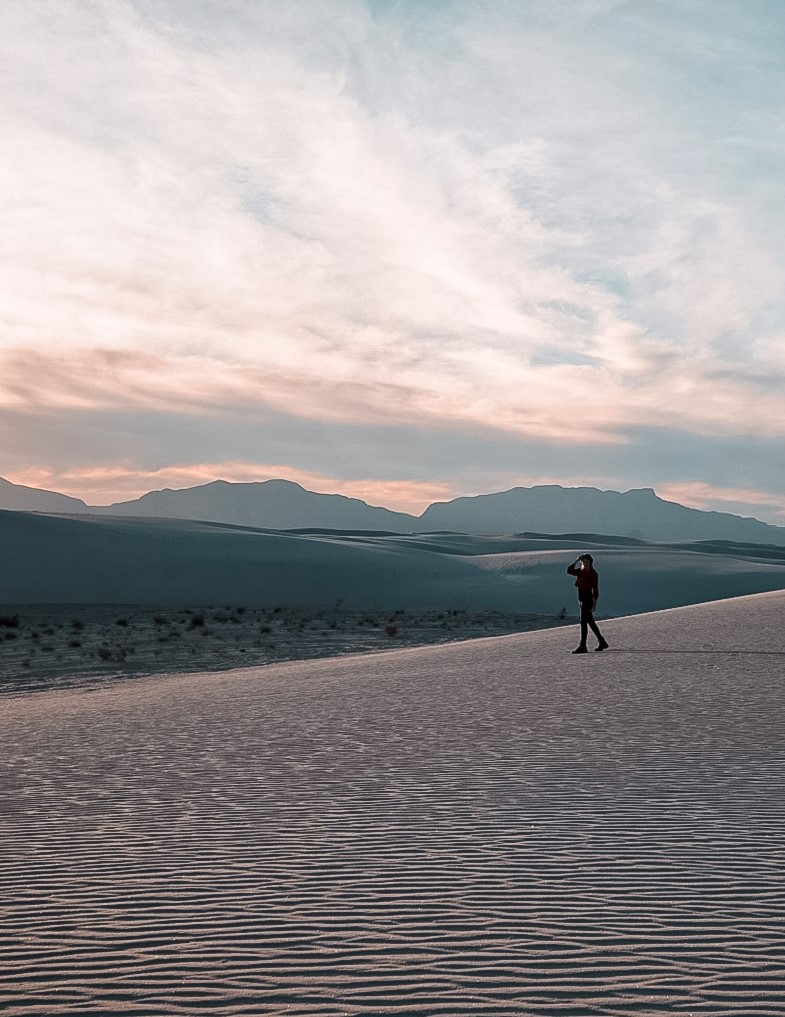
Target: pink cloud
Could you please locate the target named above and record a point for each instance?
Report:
(740, 501)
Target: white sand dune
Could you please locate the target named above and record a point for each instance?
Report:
(80, 560)
(487, 828)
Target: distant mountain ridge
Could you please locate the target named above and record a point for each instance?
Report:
(285, 505)
(552, 509)
(273, 504)
(19, 498)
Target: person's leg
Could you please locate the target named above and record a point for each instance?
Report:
(585, 615)
(601, 643)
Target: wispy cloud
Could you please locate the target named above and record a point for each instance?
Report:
(740, 501)
(545, 220)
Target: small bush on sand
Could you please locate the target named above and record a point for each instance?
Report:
(197, 620)
(74, 643)
(118, 653)
(9, 621)
(159, 619)
(123, 622)
(77, 625)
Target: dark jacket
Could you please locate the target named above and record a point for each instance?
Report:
(587, 581)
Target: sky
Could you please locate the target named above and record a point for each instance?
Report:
(403, 250)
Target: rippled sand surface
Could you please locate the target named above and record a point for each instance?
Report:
(495, 827)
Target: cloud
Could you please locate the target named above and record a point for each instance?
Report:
(459, 216)
(739, 501)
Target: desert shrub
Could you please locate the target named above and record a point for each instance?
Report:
(26, 662)
(197, 620)
(118, 653)
(265, 629)
(11, 635)
(391, 630)
(241, 610)
(9, 621)
(159, 619)
(123, 622)
(74, 643)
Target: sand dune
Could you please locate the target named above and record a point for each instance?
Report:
(73, 560)
(494, 827)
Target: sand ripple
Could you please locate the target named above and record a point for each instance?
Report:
(491, 828)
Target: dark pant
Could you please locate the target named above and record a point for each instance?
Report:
(587, 620)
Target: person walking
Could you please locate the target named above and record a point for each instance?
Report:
(587, 580)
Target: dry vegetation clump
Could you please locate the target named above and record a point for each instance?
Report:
(60, 645)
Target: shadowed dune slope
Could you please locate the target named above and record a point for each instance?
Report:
(67, 559)
(488, 828)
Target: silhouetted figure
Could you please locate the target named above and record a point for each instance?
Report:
(587, 580)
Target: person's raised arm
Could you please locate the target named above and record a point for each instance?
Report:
(574, 567)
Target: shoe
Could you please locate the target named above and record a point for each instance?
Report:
(602, 646)
(581, 649)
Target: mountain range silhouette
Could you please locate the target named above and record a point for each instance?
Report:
(285, 505)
